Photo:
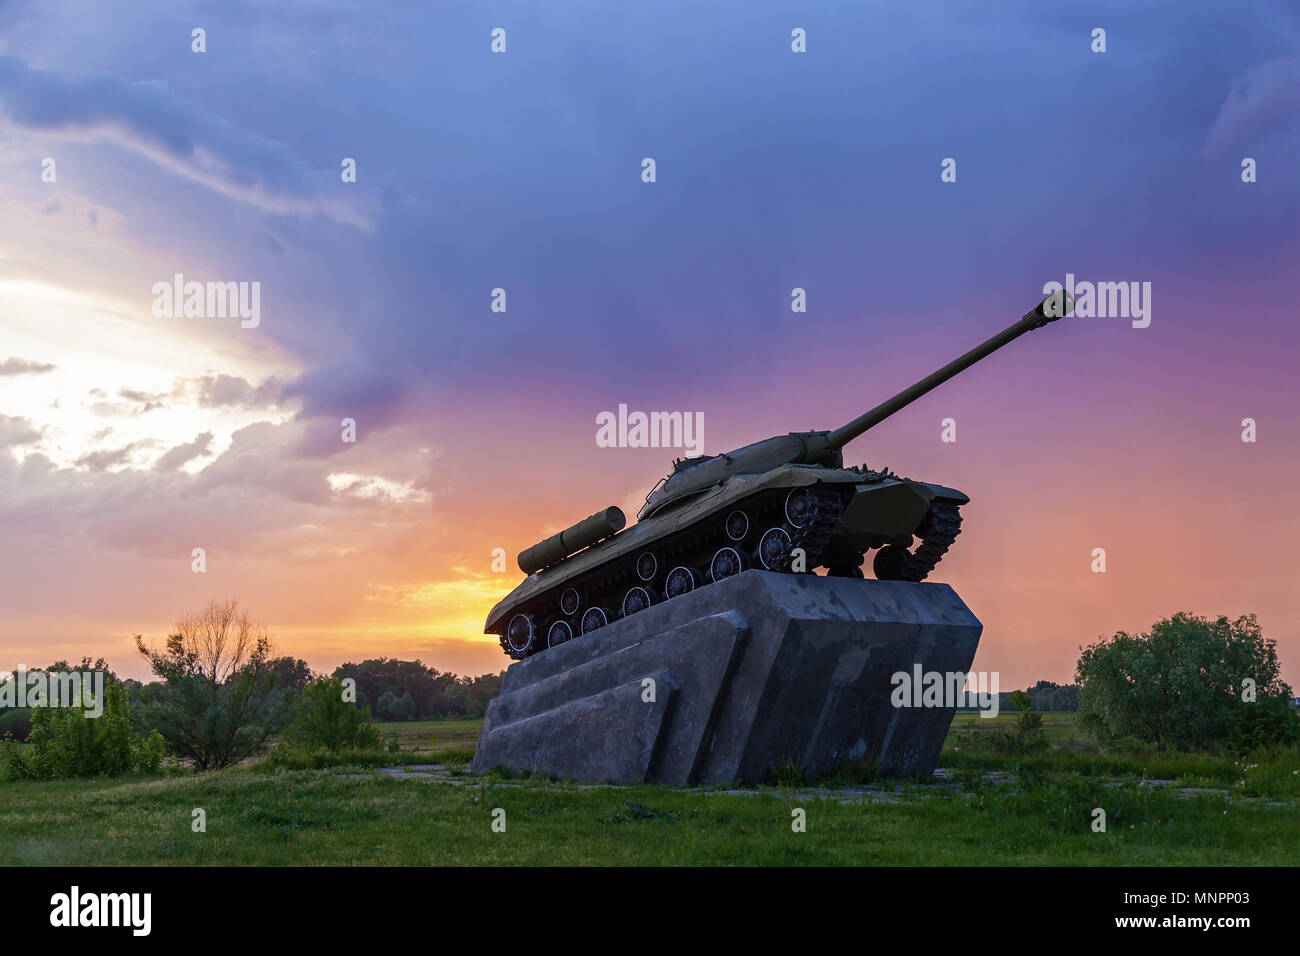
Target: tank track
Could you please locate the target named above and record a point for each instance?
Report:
(825, 507)
(938, 532)
(692, 548)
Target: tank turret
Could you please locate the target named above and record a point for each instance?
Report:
(824, 448)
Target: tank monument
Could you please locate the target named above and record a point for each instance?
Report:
(699, 646)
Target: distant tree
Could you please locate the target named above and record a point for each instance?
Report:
(432, 693)
(1177, 685)
(481, 691)
(1065, 698)
(386, 705)
(150, 693)
(391, 706)
(1047, 695)
(290, 672)
(98, 664)
(326, 720)
(220, 703)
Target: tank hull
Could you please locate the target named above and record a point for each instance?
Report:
(852, 510)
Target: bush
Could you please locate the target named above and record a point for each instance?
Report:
(1262, 724)
(16, 723)
(64, 742)
(1177, 685)
(220, 703)
(326, 720)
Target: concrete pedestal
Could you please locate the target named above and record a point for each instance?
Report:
(735, 679)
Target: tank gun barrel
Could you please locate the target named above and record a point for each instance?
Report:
(1050, 309)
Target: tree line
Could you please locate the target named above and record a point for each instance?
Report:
(1044, 696)
(220, 697)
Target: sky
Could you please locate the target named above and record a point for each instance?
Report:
(128, 438)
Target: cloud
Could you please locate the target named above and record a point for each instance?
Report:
(107, 458)
(1262, 98)
(227, 391)
(148, 118)
(16, 431)
(144, 401)
(141, 402)
(21, 366)
(173, 458)
(254, 498)
(135, 395)
(375, 486)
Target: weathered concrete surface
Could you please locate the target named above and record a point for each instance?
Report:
(748, 674)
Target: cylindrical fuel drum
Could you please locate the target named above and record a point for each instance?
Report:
(571, 540)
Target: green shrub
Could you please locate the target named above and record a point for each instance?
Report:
(787, 773)
(326, 720)
(64, 742)
(1262, 724)
(1028, 723)
(16, 722)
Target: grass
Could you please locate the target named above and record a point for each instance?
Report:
(1057, 727)
(1035, 811)
(459, 733)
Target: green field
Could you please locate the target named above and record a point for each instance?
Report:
(433, 734)
(1024, 811)
(1055, 726)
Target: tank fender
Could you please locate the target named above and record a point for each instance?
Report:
(891, 510)
(944, 493)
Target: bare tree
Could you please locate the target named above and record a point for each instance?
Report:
(219, 640)
(220, 705)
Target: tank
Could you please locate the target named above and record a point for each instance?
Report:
(786, 504)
